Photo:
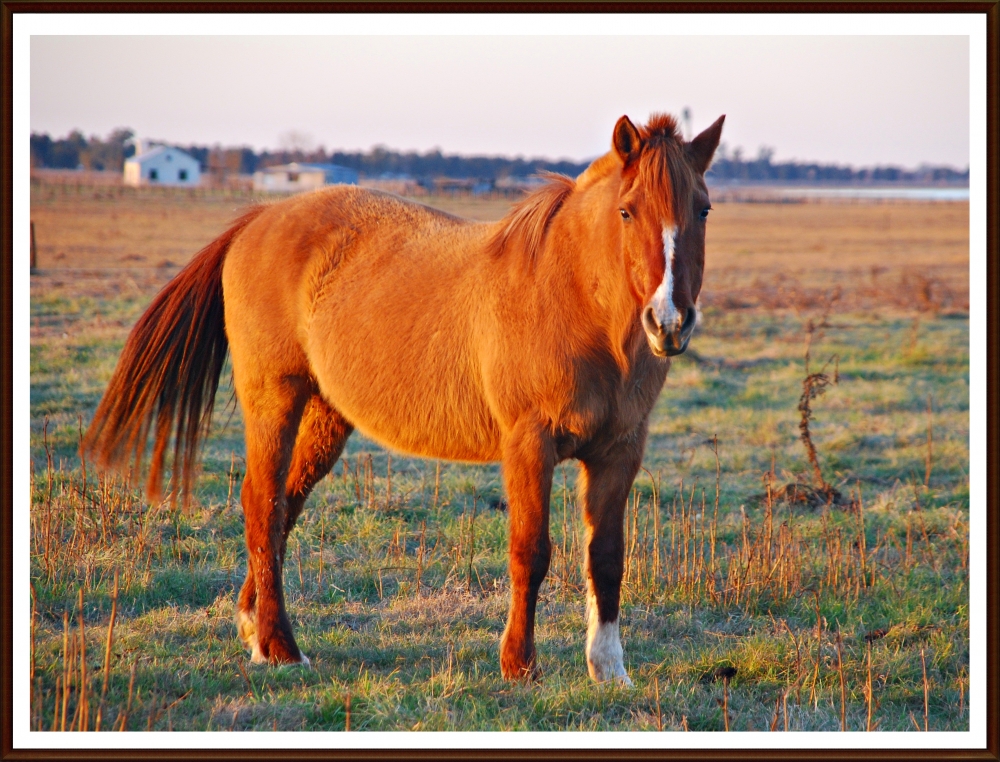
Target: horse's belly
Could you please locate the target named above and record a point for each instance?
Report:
(414, 398)
(414, 420)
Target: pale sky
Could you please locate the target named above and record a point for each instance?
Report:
(863, 100)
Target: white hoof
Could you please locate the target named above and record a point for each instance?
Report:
(623, 680)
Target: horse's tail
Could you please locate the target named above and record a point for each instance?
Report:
(168, 374)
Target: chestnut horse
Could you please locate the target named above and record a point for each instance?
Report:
(542, 337)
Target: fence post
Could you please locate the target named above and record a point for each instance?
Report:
(34, 250)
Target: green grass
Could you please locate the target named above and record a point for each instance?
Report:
(423, 654)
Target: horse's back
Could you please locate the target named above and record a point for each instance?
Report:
(297, 248)
(302, 237)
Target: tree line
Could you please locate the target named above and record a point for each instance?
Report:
(76, 151)
(733, 168)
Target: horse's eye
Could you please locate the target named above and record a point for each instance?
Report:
(704, 212)
(625, 215)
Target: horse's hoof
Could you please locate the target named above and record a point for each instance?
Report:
(246, 628)
(623, 681)
(523, 675)
(520, 671)
(257, 657)
(619, 678)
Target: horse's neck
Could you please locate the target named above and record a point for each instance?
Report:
(589, 258)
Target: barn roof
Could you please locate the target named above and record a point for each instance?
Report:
(157, 151)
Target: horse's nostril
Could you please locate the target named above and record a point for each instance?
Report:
(690, 318)
(650, 323)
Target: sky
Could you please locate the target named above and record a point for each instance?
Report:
(857, 100)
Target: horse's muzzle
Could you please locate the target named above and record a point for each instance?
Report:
(668, 343)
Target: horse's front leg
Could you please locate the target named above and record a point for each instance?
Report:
(605, 481)
(528, 461)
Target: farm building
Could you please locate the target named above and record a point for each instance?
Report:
(398, 183)
(302, 177)
(162, 165)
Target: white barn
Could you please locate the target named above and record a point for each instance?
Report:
(162, 165)
(297, 177)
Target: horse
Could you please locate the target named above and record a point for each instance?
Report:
(543, 337)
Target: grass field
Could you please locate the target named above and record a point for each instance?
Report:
(742, 610)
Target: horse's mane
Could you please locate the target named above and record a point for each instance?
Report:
(524, 226)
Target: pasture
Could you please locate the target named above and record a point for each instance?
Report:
(747, 604)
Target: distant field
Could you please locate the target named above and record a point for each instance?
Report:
(838, 615)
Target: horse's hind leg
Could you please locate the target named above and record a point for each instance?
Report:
(272, 409)
(322, 433)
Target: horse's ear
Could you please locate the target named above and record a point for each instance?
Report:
(626, 141)
(702, 148)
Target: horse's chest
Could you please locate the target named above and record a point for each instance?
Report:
(615, 409)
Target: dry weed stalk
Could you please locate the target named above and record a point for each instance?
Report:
(813, 385)
(231, 479)
(472, 539)
(107, 653)
(420, 557)
(843, 684)
(123, 724)
(962, 679)
(388, 481)
(923, 665)
(83, 703)
(725, 702)
(322, 545)
(930, 443)
(813, 695)
(869, 697)
(34, 648)
(659, 712)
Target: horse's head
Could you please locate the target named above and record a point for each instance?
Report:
(663, 205)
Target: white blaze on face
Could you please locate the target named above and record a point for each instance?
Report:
(605, 659)
(663, 300)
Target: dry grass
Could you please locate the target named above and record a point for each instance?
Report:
(875, 256)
